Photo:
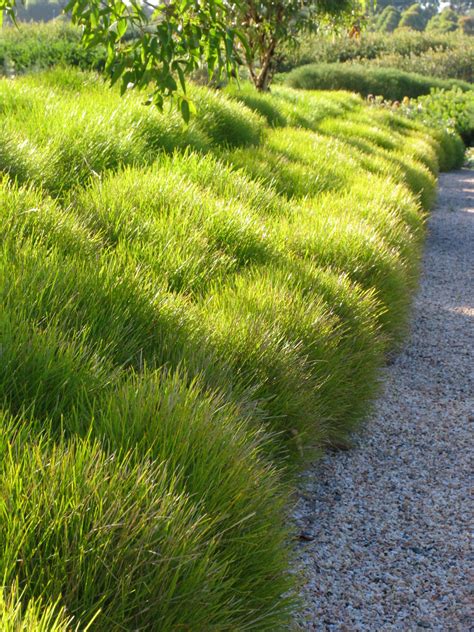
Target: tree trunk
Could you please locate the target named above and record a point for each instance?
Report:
(262, 79)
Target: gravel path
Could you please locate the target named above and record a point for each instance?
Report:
(390, 518)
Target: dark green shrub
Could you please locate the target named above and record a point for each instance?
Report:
(444, 22)
(457, 63)
(413, 18)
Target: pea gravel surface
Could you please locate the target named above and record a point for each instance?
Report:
(384, 526)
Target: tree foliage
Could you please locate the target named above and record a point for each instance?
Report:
(270, 24)
(462, 7)
(413, 18)
(432, 6)
(444, 22)
(388, 20)
(158, 44)
(400, 5)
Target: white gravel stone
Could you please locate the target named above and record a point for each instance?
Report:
(390, 518)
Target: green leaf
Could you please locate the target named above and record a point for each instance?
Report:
(121, 27)
(185, 112)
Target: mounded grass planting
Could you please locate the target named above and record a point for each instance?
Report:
(188, 314)
(390, 83)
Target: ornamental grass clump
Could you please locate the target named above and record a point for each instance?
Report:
(284, 163)
(181, 232)
(85, 526)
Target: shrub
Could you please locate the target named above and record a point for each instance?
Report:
(444, 55)
(40, 46)
(452, 64)
(390, 83)
(451, 149)
(388, 20)
(452, 110)
(444, 22)
(413, 18)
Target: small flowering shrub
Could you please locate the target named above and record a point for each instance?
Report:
(452, 110)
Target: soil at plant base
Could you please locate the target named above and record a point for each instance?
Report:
(386, 524)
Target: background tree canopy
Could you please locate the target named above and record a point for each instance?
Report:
(389, 15)
(388, 20)
(413, 18)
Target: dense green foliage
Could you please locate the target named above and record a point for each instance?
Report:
(388, 20)
(447, 21)
(430, 54)
(186, 312)
(452, 110)
(445, 56)
(457, 63)
(40, 46)
(413, 18)
(390, 83)
(154, 45)
(430, 15)
(379, 6)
